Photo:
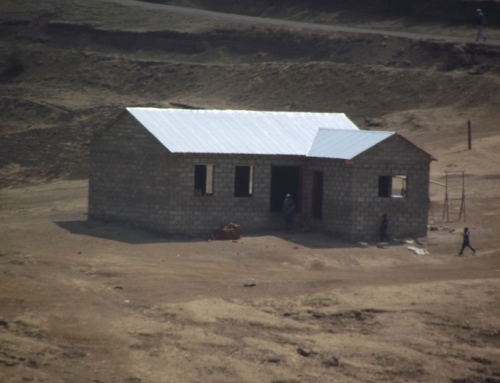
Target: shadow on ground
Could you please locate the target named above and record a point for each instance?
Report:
(125, 233)
(117, 232)
(309, 239)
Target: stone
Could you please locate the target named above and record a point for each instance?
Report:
(74, 354)
(304, 351)
(364, 245)
(373, 122)
(331, 362)
(8, 363)
(474, 72)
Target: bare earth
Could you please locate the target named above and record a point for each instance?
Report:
(103, 303)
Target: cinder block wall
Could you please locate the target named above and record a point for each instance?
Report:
(337, 206)
(134, 179)
(194, 215)
(128, 177)
(407, 216)
(352, 208)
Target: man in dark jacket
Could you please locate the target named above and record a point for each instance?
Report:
(289, 213)
(480, 23)
(466, 242)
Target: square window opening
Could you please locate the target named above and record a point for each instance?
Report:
(243, 181)
(392, 186)
(204, 180)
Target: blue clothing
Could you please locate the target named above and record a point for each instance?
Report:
(466, 243)
(288, 206)
(480, 23)
(480, 33)
(466, 237)
(289, 213)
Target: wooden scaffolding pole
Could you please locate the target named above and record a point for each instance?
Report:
(448, 201)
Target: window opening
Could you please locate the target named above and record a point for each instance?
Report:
(392, 186)
(243, 181)
(203, 180)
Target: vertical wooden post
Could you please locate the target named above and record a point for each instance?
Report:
(462, 206)
(445, 205)
(469, 130)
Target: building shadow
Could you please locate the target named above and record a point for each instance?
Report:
(120, 232)
(309, 239)
(126, 233)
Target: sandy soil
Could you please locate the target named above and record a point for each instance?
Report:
(98, 302)
(85, 301)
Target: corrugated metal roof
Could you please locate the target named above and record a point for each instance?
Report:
(345, 144)
(238, 131)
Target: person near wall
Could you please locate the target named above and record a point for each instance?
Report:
(466, 242)
(289, 213)
(480, 24)
(384, 226)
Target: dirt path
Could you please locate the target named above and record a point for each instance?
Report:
(286, 266)
(291, 24)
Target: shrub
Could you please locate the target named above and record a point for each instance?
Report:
(13, 65)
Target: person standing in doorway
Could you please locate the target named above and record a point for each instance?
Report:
(480, 24)
(384, 226)
(289, 213)
(466, 242)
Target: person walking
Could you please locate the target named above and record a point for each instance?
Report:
(480, 24)
(289, 213)
(466, 242)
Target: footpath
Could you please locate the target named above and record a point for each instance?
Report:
(293, 24)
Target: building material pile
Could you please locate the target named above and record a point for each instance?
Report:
(230, 231)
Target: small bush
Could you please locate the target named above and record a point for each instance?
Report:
(13, 65)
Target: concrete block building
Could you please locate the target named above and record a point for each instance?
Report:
(192, 171)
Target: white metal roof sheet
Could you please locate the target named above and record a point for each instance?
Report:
(345, 144)
(238, 131)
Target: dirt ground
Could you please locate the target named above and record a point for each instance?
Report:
(100, 302)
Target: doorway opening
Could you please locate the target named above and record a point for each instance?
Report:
(285, 180)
